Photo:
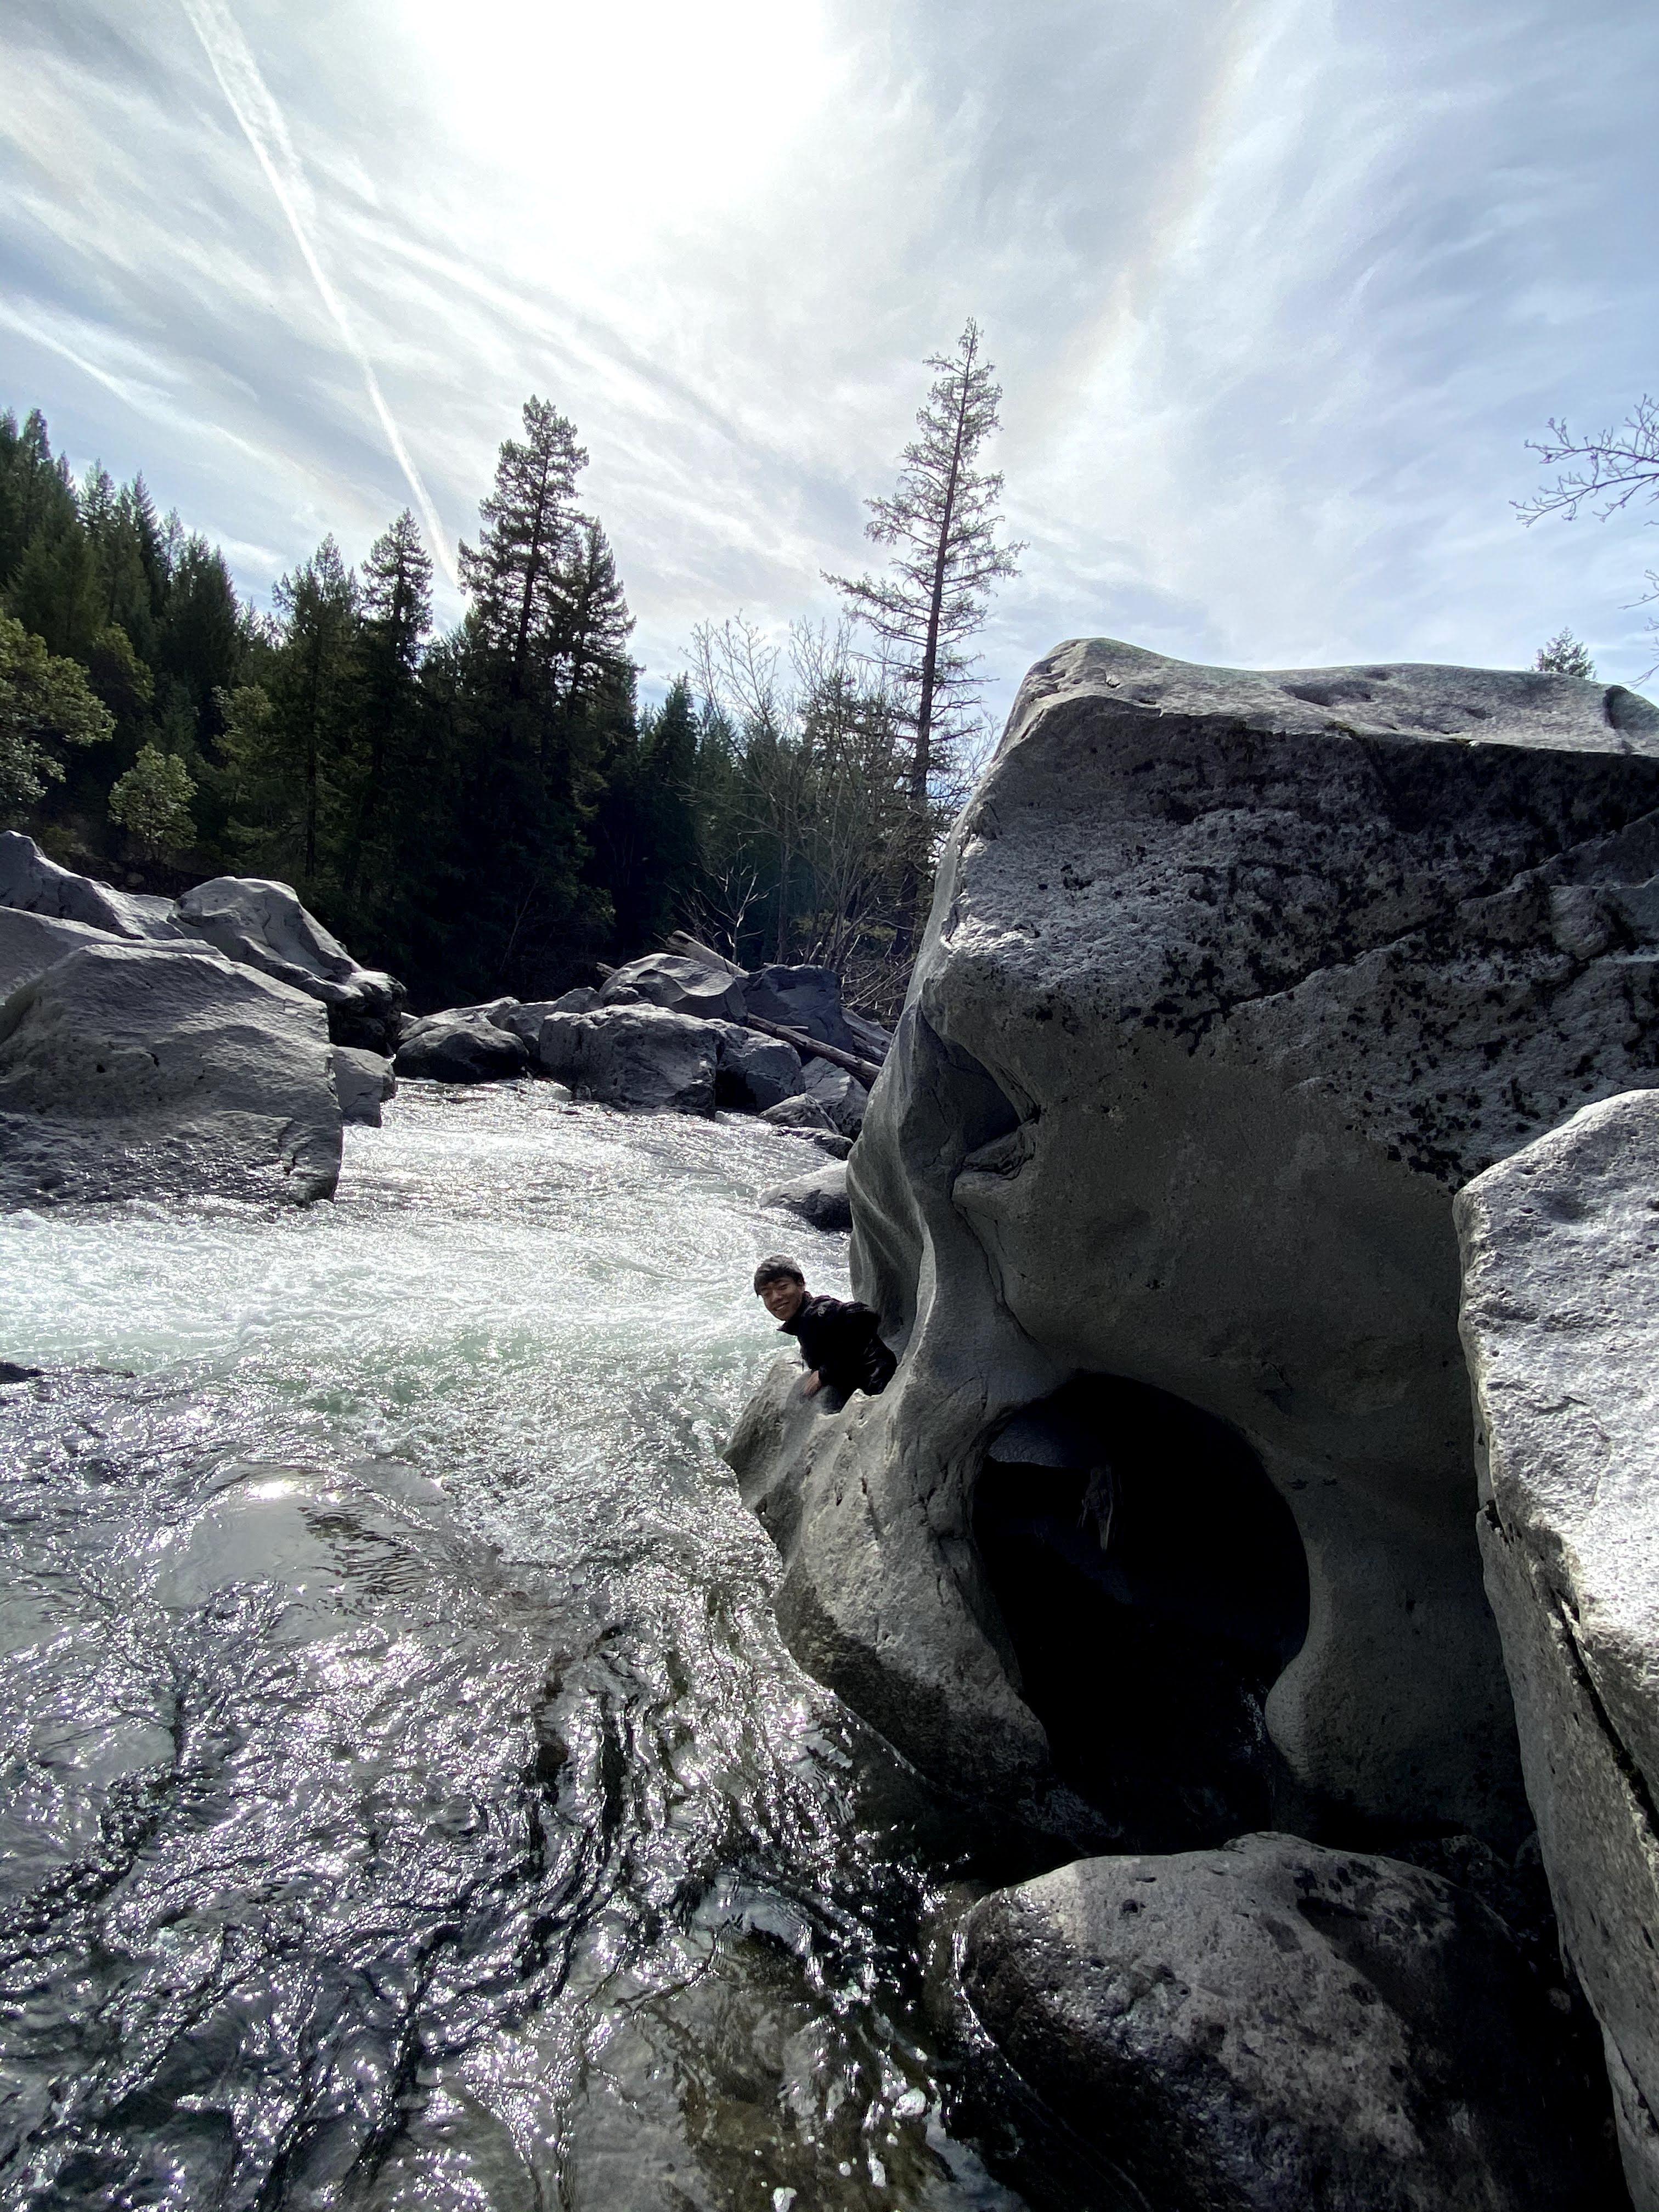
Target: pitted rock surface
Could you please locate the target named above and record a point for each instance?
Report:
(1275, 2027)
(1231, 980)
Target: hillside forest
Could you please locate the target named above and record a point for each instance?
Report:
(491, 809)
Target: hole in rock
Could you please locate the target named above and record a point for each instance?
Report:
(1152, 1586)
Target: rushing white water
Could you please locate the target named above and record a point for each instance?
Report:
(405, 1800)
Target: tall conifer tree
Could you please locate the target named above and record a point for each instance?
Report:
(941, 525)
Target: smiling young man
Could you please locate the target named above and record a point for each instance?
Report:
(838, 1336)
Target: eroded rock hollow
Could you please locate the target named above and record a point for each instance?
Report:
(1232, 981)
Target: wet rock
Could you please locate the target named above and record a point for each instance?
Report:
(31, 942)
(363, 1082)
(678, 985)
(1561, 1326)
(32, 883)
(819, 1197)
(262, 924)
(1232, 979)
(640, 1057)
(801, 1112)
(130, 1070)
(842, 1095)
(462, 1045)
(1275, 2027)
(754, 1072)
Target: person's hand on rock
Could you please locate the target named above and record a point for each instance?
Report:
(813, 1385)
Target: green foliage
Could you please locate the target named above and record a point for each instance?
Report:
(1565, 655)
(46, 705)
(152, 803)
(482, 810)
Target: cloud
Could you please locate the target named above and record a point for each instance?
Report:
(267, 134)
(1277, 290)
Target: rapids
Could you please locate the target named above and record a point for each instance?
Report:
(406, 1800)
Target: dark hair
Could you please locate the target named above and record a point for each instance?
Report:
(778, 1269)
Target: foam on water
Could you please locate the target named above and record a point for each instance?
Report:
(405, 1797)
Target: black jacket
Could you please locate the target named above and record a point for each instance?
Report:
(838, 1336)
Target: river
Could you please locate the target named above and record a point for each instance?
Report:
(406, 1800)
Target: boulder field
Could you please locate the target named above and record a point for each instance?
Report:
(671, 1033)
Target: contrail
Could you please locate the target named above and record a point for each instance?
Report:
(267, 133)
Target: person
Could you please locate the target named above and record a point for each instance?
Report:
(838, 1337)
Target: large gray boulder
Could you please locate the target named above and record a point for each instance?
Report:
(1231, 981)
(753, 1071)
(31, 942)
(363, 1082)
(803, 1111)
(1275, 2027)
(819, 1196)
(679, 985)
(130, 1070)
(464, 1044)
(805, 999)
(640, 1057)
(262, 924)
(1561, 1327)
(32, 883)
(842, 1095)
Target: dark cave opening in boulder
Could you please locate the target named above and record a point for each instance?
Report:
(1152, 1585)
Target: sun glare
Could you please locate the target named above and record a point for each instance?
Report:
(675, 109)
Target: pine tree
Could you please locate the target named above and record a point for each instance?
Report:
(397, 620)
(310, 691)
(941, 524)
(595, 624)
(515, 574)
(1565, 655)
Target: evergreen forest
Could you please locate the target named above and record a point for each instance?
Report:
(487, 808)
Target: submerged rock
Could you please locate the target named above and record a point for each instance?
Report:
(819, 1197)
(1561, 1326)
(130, 1070)
(262, 924)
(1275, 2027)
(803, 1111)
(1231, 980)
(640, 1057)
(363, 1082)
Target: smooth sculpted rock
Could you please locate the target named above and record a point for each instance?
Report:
(679, 985)
(29, 943)
(1275, 2027)
(262, 924)
(640, 1057)
(129, 1071)
(1231, 981)
(32, 883)
(1561, 1326)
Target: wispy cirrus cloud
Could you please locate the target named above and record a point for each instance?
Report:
(267, 133)
(1277, 288)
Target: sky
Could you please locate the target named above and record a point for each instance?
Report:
(1277, 291)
